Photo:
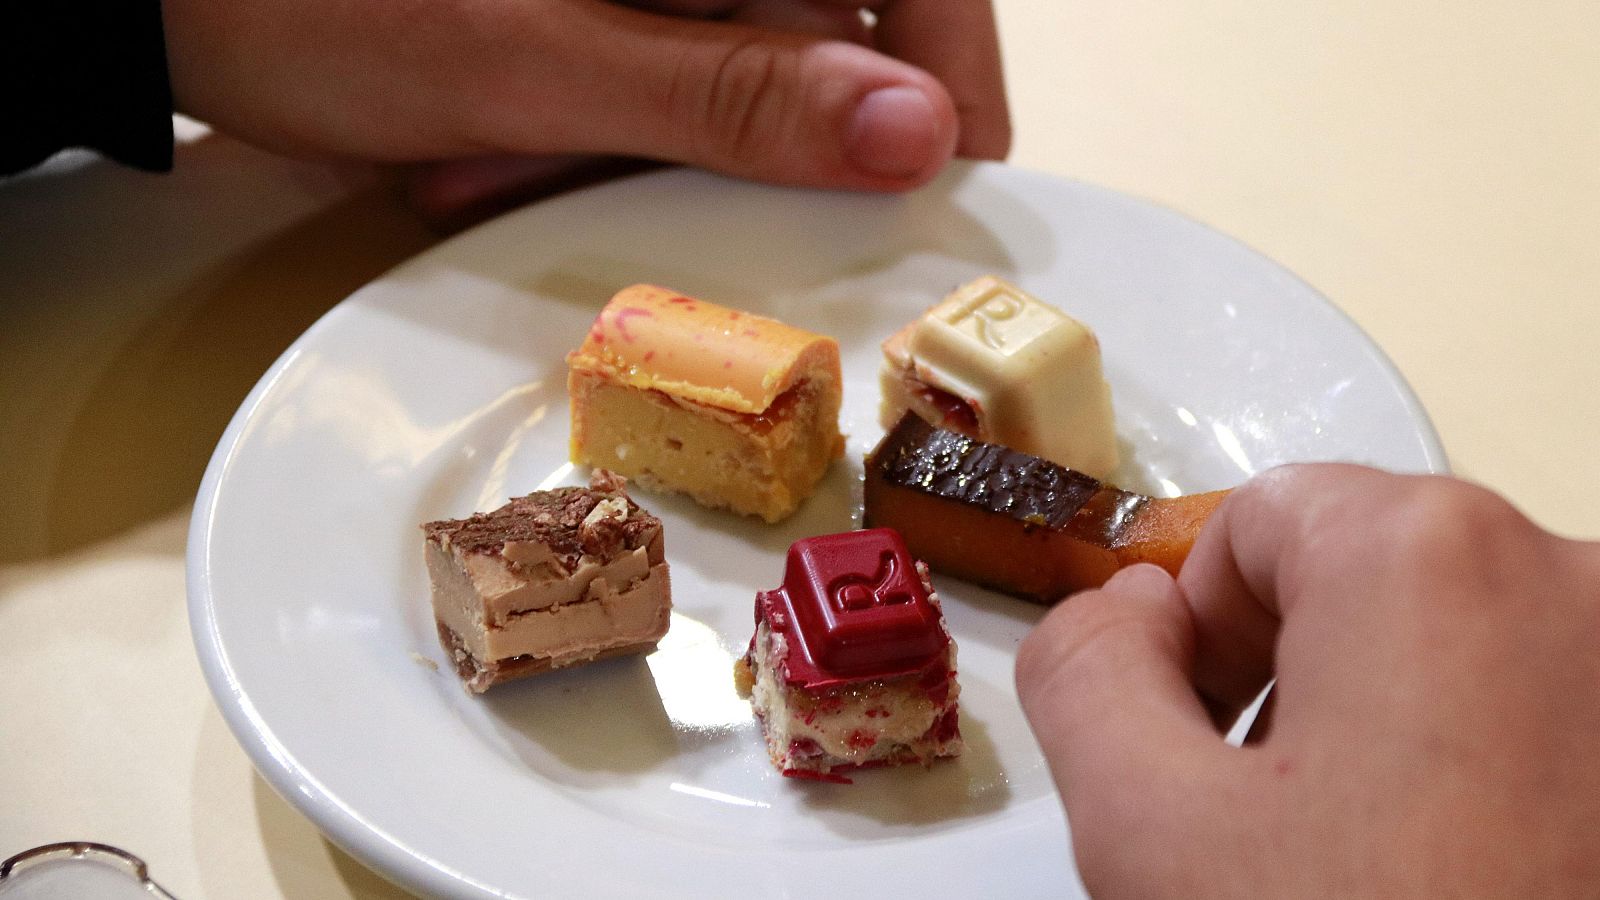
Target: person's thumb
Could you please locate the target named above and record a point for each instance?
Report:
(743, 100)
(1104, 682)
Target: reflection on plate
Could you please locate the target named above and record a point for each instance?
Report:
(440, 389)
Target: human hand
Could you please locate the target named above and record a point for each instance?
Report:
(789, 91)
(1437, 705)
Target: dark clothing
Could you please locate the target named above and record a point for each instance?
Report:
(84, 73)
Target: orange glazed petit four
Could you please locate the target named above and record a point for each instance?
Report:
(736, 410)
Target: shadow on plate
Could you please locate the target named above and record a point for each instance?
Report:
(605, 717)
(953, 593)
(306, 864)
(782, 252)
(284, 856)
(128, 385)
(831, 508)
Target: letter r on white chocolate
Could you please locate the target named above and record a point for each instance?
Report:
(1004, 367)
(992, 315)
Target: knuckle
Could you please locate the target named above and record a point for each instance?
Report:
(733, 111)
(1443, 516)
(1321, 511)
(1462, 545)
(1293, 489)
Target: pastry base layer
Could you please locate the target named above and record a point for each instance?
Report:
(763, 465)
(864, 724)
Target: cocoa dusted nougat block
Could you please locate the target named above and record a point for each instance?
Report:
(556, 578)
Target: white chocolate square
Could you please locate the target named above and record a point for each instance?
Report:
(1028, 374)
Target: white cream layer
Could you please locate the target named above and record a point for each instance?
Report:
(901, 713)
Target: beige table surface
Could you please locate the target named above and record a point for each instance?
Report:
(1433, 167)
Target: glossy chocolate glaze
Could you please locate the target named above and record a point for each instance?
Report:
(1017, 523)
(853, 606)
(1000, 480)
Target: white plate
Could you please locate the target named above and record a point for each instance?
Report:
(439, 390)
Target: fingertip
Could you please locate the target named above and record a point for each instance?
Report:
(956, 43)
(1104, 683)
(842, 116)
(877, 123)
(901, 133)
(768, 104)
(1143, 579)
(1074, 645)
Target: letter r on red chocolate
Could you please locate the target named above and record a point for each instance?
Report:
(857, 606)
(852, 591)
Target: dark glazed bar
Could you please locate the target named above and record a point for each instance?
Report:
(1018, 523)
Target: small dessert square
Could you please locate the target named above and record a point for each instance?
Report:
(1017, 523)
(736, 410)
(553, 579)
(999, 365)
(851, 665)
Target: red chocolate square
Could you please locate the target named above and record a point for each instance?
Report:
(851, 666)
(852, 606)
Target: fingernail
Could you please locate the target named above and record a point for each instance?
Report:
(894, 133)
